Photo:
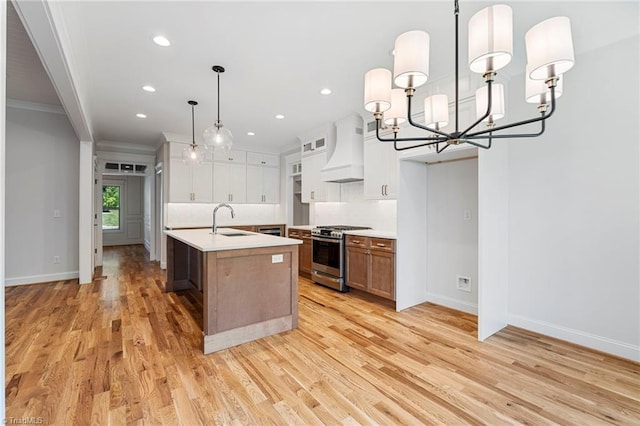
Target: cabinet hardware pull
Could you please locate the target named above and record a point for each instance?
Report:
(381, 189)
(381, 245)
(356, 241)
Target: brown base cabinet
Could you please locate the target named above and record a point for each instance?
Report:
(371, 265)
(304, 250)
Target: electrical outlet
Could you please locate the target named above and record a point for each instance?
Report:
(464, 284)
(56, 259)
(467, 215)
(277, 258)
(56, 213)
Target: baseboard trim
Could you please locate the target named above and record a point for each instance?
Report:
(600, 343)
(470, 308)
(38, 279)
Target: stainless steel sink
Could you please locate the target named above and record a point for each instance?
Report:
(235, 234)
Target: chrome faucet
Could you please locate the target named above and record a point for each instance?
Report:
(214, 227)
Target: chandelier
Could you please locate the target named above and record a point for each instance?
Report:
(192, 154)
(217, 136)
(549, 48)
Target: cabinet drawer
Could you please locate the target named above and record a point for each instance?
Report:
(294, 233)
(356, 241)
(382, 244)
(305, 234)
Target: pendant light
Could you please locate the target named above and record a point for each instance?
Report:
(217, 136)
(193, 154)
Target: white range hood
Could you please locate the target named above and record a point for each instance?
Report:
(347, 162)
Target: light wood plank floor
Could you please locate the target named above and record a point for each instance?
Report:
(120, 351)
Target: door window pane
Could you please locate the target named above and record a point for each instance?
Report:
(111, 207)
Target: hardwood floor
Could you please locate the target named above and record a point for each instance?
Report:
(120, 351)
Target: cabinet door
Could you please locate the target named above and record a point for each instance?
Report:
(357, 267)
(202, 181)
(222, 183)
(271, 185)
(180, 189)
(382, 276)
(304, 261)
(254, 184)
(238, 184)
(380, 170)
(312, 190)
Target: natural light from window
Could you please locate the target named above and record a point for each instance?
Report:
(110, 207)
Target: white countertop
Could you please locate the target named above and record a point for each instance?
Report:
(373, 233)
(204, 240)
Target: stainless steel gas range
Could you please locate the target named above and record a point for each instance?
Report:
(328, 261)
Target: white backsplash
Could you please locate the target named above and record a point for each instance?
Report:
(355, 210)
(188, 215)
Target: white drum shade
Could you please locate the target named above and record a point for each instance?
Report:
(535, 89)
(497, 102)
(490, 38)
(436, 111)
(550, 48)
(377, 90)
(397, 114)
(411, 59)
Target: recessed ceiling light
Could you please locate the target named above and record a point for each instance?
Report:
(148, 88)
(250, 134)
(161, 41)
(325, 91)
(279, 116)
(139, 115)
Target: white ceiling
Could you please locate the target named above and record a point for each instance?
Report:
(278, 56)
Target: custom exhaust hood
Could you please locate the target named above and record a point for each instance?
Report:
(347, 162)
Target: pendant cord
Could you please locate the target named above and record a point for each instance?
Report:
(218, 97)
(193, 125)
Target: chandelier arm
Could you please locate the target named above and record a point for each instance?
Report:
(438, 150)
(486, 114)
(514, 135)
(480, 145)
(542, 118)
(431, 139)
(420, 126)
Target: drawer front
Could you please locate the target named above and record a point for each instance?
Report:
(294, 233)
(384, 244)
(305, 234)
(357, 241)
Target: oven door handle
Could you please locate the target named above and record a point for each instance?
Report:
(326, 240)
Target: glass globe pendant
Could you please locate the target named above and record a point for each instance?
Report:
(217, 136)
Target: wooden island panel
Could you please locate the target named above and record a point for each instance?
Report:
(247, 296)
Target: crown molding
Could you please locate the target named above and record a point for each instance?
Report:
(33, 106)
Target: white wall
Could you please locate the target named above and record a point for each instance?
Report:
(574, 208)
(131, 214)
(355, 210)
(452, 233)
(41, 177)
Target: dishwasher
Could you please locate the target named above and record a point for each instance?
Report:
(270, 230)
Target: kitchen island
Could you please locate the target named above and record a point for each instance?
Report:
(249, 282)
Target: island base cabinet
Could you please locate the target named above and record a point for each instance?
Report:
(249, 294)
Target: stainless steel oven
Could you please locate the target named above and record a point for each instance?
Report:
(327, 252)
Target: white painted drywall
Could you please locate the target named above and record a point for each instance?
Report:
(355, 210)
(411, 247)
(3, 80)
(132, 211)
(147, 191)
(42, 175)
(452, 233)
(493, 239)
(574, 208)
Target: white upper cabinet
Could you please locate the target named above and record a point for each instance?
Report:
(230, 176)
(263, 178)
(313, 188)
(188, 184)
(380, 170)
